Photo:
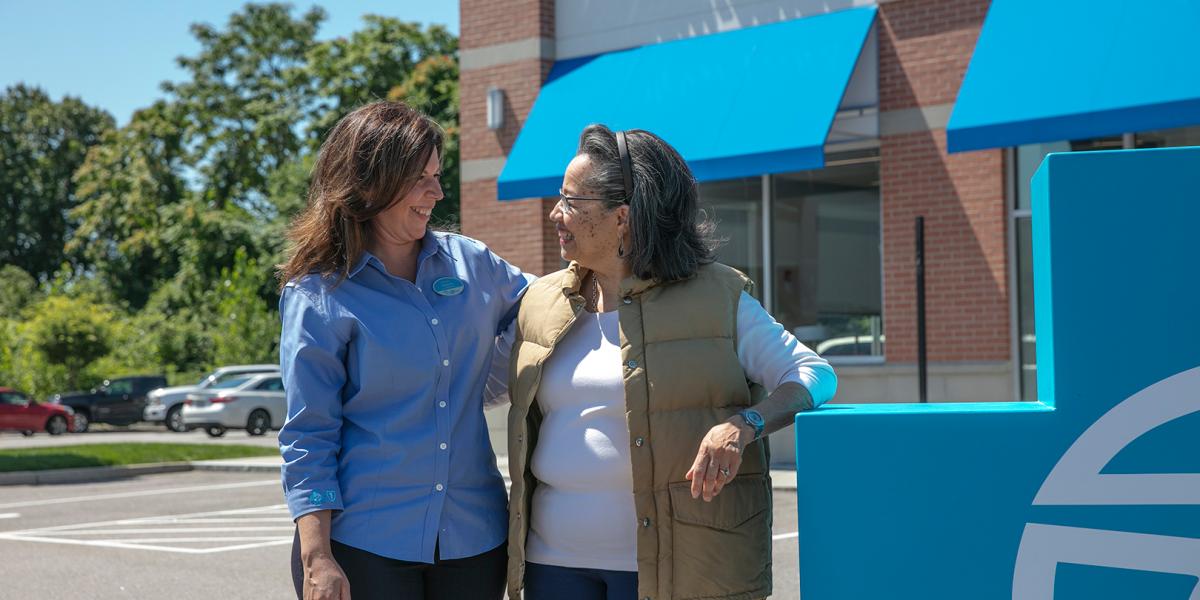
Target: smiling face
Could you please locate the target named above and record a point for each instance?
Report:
(406, 220)
(588, 231)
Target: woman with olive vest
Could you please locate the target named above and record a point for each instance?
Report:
(645, 377)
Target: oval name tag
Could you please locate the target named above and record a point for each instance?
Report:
(448, 286)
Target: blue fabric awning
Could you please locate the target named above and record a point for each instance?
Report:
(1072, 69)
(745, 102)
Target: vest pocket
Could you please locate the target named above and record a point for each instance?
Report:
(721, 547)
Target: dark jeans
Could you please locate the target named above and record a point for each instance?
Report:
(374, 577)
(546, 582)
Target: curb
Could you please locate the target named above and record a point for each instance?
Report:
(90, 474)
(236, 467)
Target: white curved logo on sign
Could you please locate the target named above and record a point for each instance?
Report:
(1077, 480)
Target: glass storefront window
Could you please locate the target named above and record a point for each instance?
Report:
(736, 206)
(1167, 138)
(825, 250)
(826, 262)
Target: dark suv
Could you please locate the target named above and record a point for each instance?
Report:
(118, 401)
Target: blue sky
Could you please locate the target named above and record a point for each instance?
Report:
(114, 53)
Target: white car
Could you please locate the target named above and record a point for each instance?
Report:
(165, 405)
(254, 402)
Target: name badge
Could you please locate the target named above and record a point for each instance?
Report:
(448, 286)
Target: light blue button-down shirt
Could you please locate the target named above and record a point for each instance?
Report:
(385, 381)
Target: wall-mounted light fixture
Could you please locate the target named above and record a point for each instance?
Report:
(495, 108)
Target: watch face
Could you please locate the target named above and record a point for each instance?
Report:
(754, 418)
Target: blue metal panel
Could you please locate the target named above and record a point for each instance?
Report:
(745, 102)
(1073, 69)
(1094, 493)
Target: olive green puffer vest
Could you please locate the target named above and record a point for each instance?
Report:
(682, 377)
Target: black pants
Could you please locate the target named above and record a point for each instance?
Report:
(374, 577)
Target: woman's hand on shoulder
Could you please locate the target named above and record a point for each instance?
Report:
(718, 459)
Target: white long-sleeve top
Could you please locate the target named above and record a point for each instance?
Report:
(583, 512)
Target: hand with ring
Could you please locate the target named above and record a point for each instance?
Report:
(717, 460)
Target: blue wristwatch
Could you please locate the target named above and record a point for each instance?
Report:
(753, 419)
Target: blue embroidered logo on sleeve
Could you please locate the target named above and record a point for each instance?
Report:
(330, 495)
(315, 498)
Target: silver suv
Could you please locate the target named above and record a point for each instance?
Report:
(165, 405)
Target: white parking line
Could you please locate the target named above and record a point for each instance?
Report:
(9, 515)
(150, 492)
(178, 539)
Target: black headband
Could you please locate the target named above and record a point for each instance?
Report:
(626, 166)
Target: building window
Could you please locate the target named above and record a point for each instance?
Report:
(827, 287)
(736, 206)
(1028, 159)
(823, 250)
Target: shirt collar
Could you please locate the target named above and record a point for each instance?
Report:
(430, 244)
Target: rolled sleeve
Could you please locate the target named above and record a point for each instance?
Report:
(772, 356)
(311, 355)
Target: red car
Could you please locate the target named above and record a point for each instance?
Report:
(18, 412)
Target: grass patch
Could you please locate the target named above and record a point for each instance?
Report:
(98, 455)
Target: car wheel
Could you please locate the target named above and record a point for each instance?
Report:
(174, 419)
(57, 425)
(82, 421)
(215, 431)
(258, 423)
(26, 433)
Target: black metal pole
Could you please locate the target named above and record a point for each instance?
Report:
(922, 366)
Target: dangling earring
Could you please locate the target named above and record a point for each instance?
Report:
(620, 248)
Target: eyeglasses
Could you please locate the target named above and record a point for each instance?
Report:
(565, 199)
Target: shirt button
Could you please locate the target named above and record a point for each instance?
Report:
(438, 487)
(435, 321)
(646, 522)
(445, 362)
(638, 442)
(442, 446)
(631, 364)
(442, 404)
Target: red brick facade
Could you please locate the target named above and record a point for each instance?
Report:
(924, 49)
(516, 230)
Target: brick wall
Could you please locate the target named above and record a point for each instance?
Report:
(516, 230)
(925, 47)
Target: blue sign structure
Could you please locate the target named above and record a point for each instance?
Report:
(1093, 492)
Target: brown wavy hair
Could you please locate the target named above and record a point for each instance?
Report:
(372, 158)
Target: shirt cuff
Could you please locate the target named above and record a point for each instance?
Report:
(304, 500)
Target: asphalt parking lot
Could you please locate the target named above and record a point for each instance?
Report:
(193, 535)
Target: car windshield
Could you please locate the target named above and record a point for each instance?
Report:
(230, 382)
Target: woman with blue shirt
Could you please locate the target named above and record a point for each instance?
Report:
(389, 332)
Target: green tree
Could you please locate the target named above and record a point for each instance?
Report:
(248, 91)
(126, 187)
(42, 142)
(245, 329)
(71, 333)
(18, 289)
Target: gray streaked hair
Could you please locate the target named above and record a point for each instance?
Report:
(670, 238)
